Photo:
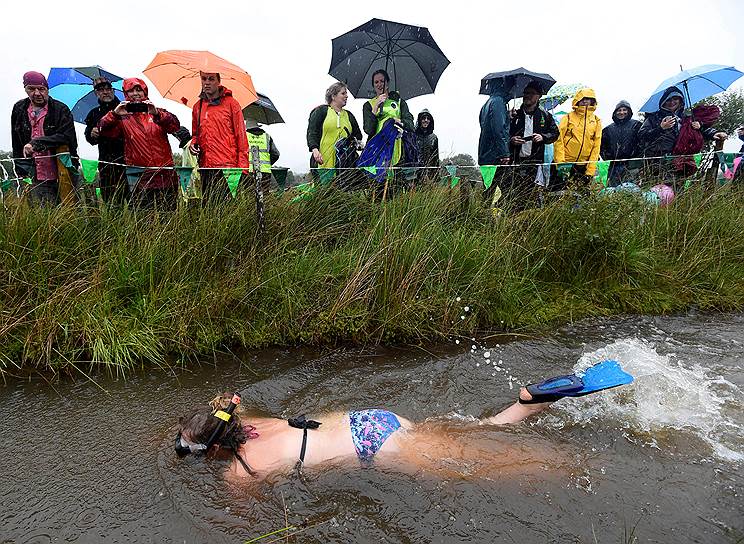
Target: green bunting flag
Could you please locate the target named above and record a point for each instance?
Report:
(325, 175)
(564, 168)
(65, 159)
(184, 176)
(98, 193)
(728, 159)
(698, 157)
(371, 169)
(5, 185)
(451, 169)
(232, 175)
(27, 180)
(487, 173)
(603, 170)
(455, 181)
(89, 168)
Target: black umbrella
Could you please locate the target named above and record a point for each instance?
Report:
(407, 53)
(262, 111)
(513, 82)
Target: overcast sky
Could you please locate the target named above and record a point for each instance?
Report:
(621, 49)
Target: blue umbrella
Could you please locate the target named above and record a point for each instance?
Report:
(696, 84)
(74, 87)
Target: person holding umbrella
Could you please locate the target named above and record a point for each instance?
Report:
(219, 135)
(660, 131)
(531, 128)
(384, 106)
(327, 125)
(112, 177)
(144, 129)
(39, 126)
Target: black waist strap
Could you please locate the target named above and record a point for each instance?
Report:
(301, 422)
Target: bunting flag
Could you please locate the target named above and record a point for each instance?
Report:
(564, 168)
(28, 180)
(698, 157)
(487, 173)
(452, 171)
(5, 185)
(326, 175)
(232, 175)
(184, 177)
(603, 170)
(371, 169)
(496, 196)
(133, 176)
(65, 159)
(98, 193)
(90, 169)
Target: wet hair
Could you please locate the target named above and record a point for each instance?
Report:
(333, 90)
(384, 73)
(199, 425)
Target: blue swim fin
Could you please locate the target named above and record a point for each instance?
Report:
(604, 375)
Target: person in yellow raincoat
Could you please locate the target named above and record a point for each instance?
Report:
(578, 143)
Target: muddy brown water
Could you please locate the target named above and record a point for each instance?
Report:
(91, 463)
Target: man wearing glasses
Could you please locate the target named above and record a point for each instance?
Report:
(39, 126)
(111, 173)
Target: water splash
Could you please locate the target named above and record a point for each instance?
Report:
(668, 394)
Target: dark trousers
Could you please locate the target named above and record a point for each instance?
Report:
(113, 183)
(214, 186)
(44, 192)
(163, 199)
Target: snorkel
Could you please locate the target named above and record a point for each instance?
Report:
(184, 447)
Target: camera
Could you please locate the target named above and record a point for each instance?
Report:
(136, 107)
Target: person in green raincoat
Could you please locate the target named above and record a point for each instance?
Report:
(326, 126)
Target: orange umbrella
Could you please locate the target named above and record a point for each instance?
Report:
(176, 76)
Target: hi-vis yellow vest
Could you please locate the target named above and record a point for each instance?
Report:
(261, 141)
(390, 109)
(335, 127)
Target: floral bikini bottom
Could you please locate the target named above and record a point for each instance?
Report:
(370, 429)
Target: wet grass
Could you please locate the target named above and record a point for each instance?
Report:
(84, 288)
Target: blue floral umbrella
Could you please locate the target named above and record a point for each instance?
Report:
(74, 87)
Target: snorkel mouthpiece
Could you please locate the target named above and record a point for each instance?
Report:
(183, 447)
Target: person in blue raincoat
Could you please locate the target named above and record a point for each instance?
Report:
(493, 145)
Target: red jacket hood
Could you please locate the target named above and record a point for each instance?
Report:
(131, 82)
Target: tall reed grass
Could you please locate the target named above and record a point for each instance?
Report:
(118, 289)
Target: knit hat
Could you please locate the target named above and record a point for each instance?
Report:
(35, 78)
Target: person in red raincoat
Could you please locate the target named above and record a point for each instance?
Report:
(219, 138)
(146, 144)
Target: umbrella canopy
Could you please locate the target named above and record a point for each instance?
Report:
(407, 53)
(175, 74)
(263, 111)
(696, 84)
(74, 87)
(558, 94)
(514, 81)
